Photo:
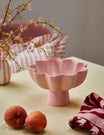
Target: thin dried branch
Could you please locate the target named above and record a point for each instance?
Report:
(8, 38)
(7, 11)
(20, 10)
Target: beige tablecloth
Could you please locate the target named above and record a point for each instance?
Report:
(24, 92)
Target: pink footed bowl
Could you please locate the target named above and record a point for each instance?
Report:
(58, 76)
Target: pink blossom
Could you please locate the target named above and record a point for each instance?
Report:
(17, 37)
(29, 7)
(9, 17)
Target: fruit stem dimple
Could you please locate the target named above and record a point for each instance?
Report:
(17, 116)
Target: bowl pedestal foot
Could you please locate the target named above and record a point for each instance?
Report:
(58, 98)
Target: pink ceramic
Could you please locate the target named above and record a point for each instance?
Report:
(58, 76)
(5, 72)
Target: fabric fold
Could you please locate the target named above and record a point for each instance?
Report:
(91, 115)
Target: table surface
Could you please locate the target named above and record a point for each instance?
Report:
(24, 92)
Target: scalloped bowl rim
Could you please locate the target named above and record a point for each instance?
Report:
(84, 69)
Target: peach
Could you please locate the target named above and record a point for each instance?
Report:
(36, 121)
(15, 116)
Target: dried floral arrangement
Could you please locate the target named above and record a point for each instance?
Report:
(7, 38)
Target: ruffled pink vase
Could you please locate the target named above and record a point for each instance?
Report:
(58, 76)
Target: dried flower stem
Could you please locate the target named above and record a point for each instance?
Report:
(1, 29)
(51, 26)
(18, 13)
(8, 38)
(18, 68)
(6, 11)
